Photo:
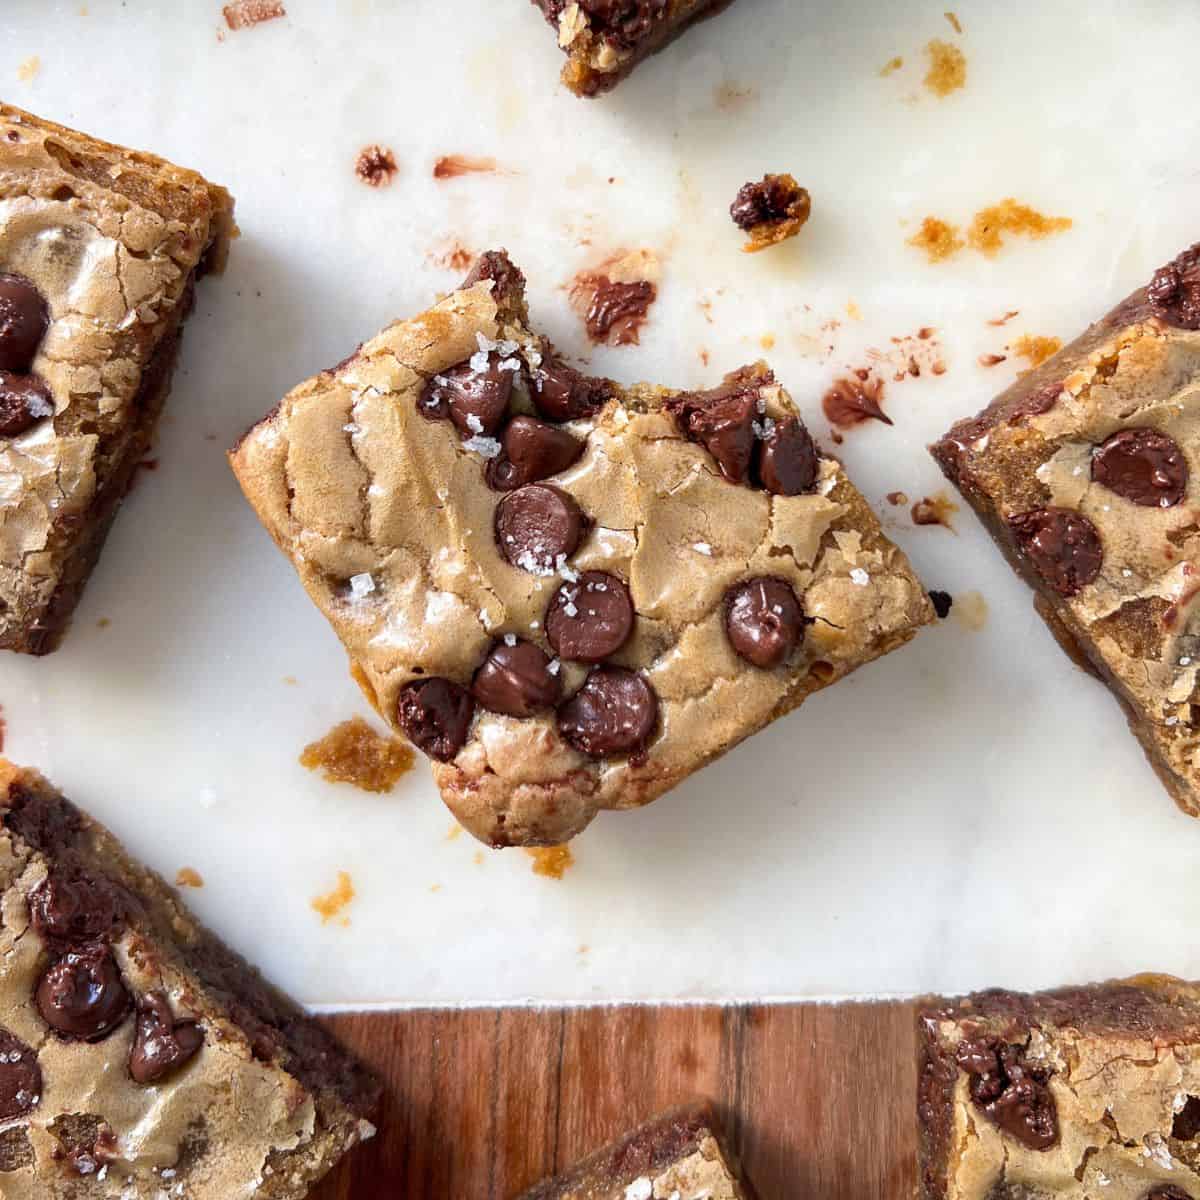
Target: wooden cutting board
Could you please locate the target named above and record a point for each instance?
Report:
(819, 1100)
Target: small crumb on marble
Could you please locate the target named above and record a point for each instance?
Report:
(243, 14)
(353, 752)
(188, 877)
(947, 68)
(897, 499)
(938, 239)
(103, 623)
(942, 603)
(934, 510)
(1035, 350)
(990, 224)
(29, 68)
(971, 611)
(552, 862)
(891, 66)
(333, 903)
(376, 165)
(955, 23)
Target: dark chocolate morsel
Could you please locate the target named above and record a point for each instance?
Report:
(561, 393)
(161, 1044)
(1063, 545)
(476, 401)
(72, 906)
(24, 319)
(508, 284)
(614, 712)
(536, 526)
(517, 680)
(1166, 1191)
(1009, 1091)
(1174, 292)
(942, 603)
(590, 618)
(531, 450)
(764, 620)
(722, 421)
(1142, 465)
(787, 459)
(773, 198)
(20, 1077)
(82, 995)
(436, 715)
(24, 400)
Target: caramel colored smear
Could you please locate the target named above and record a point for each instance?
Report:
(353, 752)
(947, 68)
(244, 13)
(934, 510)
(376, 166)
(955, 23)
(451, 256)
(971, 611)
(332, 903)
(1035, 349)
(729, 96)
(1010, 216)
(451, 166)
(891, 66)
(852, 401)
(188, 877)
(29, 68)
(992, 360)
(551, 861)
(938, 239)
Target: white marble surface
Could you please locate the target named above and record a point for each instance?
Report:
(970, 811)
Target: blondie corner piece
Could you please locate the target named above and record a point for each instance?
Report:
(139, 1057)
(605, 39)
(1087, 474)
(677, 1156)
(1085, 1093)
(570, 595)
(99, 250)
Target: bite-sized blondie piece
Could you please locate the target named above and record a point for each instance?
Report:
(139, 1057)
(99, 250)
(1087, 474)
(676, 1156)
(570, 595)
(770, 211)
(1090, 1093)
(605, 39)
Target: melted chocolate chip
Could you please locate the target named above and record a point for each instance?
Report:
(618, 309)
(161, 1044)
(82, 995)
(20, 1077)
(517, 680)
(24, 400)
(531, 450)
(942, 603)
(787, 459)
(1166, 1191)
(1186, 1124)
(622, 22)
(436, 715)
(536, 526)
(73, 906)
(722, 421)
(763, 620)
(508, 284)
(615, 712)
(560, 393)
(24, 319)
(591, 618)
(774, 198)
(1174, 292)
(1063, 545)
(1142, 465)
(476, 401)
(1009, 1091)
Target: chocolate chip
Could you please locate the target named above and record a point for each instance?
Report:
(531, 450)
(774, 198)
(591, 618)
(516, 680)
(1186, 1124)
(508, 284)
(615, 712)
(82, 996)
(476, 401)
(161, 1044)
(787, 459)
(24, 400)
(1166, 1191)
(622, 22)
(942, 603)
(560, 393)
(24, 319)
(1142, 465)
(1174, 292)
(536, 526)
(722, 421)
(617, 310)
(1010, 1091)
(436, 715)
(1063, 545)
(73, 906)
(20, 1077)
(763, 620)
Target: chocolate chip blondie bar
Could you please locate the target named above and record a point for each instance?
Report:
(605, 39)
(677, 1156)
(100, 248)
(1085, 472)
(139, 1057)
(570, 595)
(1091, 1093)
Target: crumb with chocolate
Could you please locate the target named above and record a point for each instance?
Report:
(770, 211)
(376, 165)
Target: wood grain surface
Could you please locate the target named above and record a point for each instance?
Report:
(818, 1100)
